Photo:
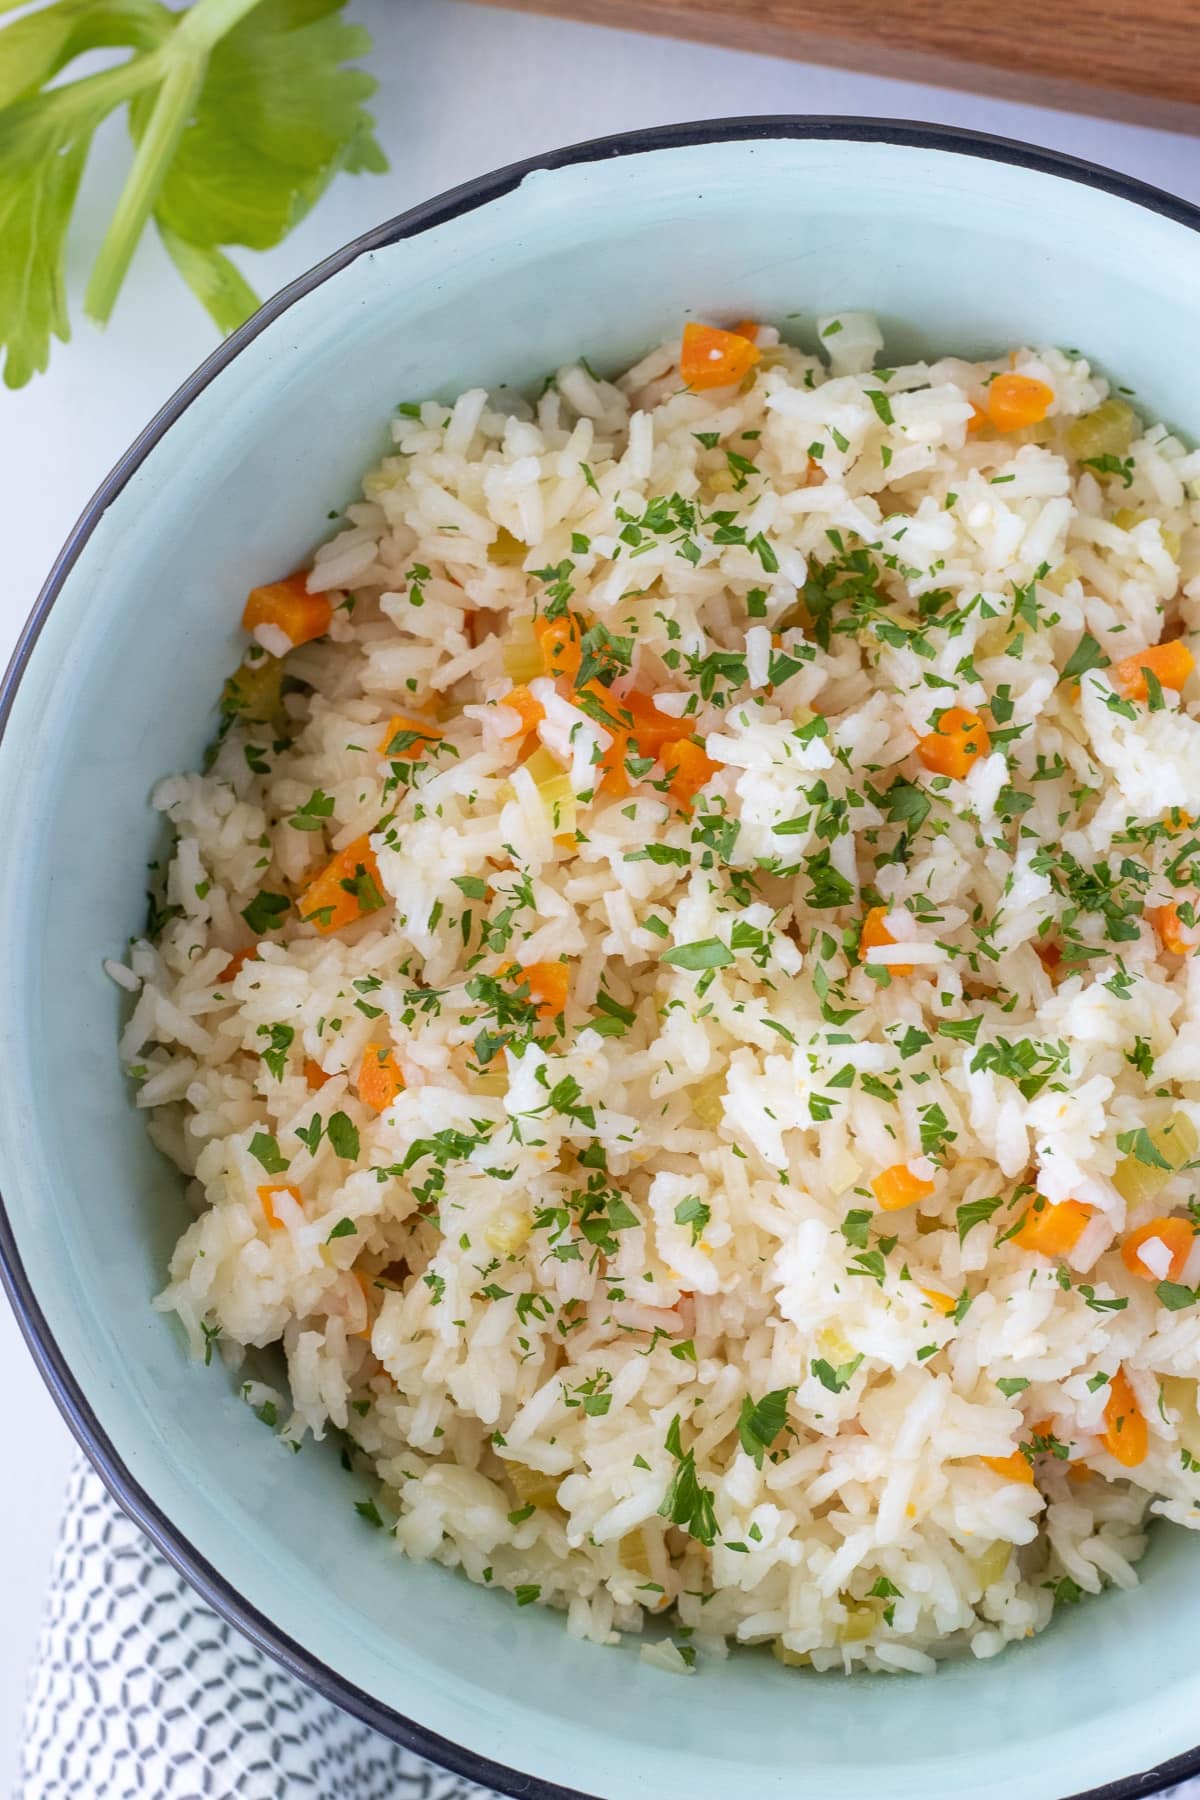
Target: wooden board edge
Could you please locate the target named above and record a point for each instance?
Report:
(828, 50)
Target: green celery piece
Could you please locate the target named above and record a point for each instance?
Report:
(35, 48)
(222, 289)
(44, 141)
(241, 115)
(277, 118)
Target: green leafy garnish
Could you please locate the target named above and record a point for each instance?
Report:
(686, 1503)
(836, 1380)
(343, 1136)
(241, 112)
(760, 1422)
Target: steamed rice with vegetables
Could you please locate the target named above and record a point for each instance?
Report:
(676, 996)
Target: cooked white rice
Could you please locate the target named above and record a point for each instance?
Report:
(576, 1415)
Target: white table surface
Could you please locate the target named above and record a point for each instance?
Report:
(461, 91)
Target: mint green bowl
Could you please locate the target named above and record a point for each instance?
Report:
(956, 241)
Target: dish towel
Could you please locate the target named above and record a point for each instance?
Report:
(140, 1689)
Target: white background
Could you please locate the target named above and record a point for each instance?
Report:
(461, 91)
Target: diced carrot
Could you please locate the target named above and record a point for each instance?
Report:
(1176, 1234)
(1170, 663)
(956, 742)
(898, 1187)
(874, 935)
(237, 962)
(379, 1077)
(614, 780)
(1016, 400)
(549, 984)
(1176, 937)
(345, 890)
(1053, 1230)
(1126, 1434)
(652, 729)
(314, 1074)
(1176, 820)
(943, 1303)
(712, 358)
(746, 328)
(408, 740)
(1010, 1468)
(977, 420)
(289, 606)
(560, 643)
(266, 1196)
(688, 768)
(531, 712)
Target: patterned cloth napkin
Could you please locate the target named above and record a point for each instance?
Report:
(139, 1689)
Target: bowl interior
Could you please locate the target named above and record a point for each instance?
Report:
(954, 251)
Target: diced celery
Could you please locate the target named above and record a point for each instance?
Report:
(1180, 1393)
(834, 1346)
(508, 1230)
(1176, 1142)
(1108, 431)
(633, 1553)
(860, 1621)
(554, 789)
(521, 652)
(506, 550)
(1061, 576)
(533, 1487)
(706, 1098)
(254, 692)
(991, 1563)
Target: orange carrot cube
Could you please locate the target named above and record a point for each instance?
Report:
(289, 606)
(712, 358)
(346, 889)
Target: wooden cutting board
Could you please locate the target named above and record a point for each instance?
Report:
(1139, 60)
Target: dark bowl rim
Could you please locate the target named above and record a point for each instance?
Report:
(212, 1586)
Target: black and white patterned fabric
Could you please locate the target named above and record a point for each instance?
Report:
(140, 1692)
(139, 1689)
